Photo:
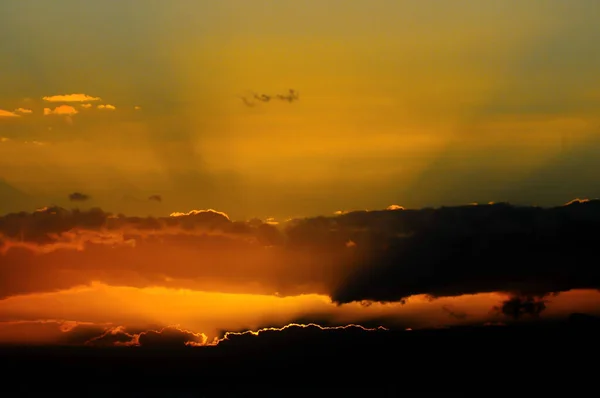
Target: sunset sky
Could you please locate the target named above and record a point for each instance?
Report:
(149, 108)
(420, 103)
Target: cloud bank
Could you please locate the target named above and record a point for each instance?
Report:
(74, 333)
(362, 256)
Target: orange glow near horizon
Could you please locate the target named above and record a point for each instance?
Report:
(45, 318)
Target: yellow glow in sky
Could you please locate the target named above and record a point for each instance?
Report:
(398, 101)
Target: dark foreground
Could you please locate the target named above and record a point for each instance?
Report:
(527, 358)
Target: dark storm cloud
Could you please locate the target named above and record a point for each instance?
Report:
(473, 249)
(361, 256)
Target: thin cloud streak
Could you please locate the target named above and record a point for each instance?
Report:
(71, 98)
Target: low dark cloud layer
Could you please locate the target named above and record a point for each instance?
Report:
(176, 337)
(361, 256)
(301, 336)
(310, 359)
(167, 337)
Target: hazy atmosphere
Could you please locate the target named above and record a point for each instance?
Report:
(416, 103)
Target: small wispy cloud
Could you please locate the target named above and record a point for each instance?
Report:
(86, 106)
(107, 107)
(291, 96)
(23, 111)
(78, 197)
(70, 98)
(137, 108)
(66, 110)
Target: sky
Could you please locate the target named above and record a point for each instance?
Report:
(122, 117)
(419, 103)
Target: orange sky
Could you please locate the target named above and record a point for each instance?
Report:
(420, 103)
(49, 317)
(148, 109)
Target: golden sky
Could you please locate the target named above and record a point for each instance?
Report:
(412, 102)
(151, 107)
